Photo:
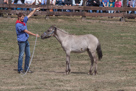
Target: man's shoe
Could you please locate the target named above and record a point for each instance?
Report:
(29, 71)
(21, 72)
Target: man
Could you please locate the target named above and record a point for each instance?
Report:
(22, 38)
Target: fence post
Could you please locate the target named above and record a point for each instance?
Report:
(48, 3)
(9, 8)
(83, 13)
(124, 12)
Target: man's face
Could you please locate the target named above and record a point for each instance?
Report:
(21, 18)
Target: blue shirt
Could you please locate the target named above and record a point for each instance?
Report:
(105, 2)
(21, 35)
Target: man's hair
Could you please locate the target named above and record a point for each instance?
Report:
(20, 14)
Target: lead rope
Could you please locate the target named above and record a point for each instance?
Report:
(31, 58)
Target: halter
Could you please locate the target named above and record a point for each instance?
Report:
(49, 33)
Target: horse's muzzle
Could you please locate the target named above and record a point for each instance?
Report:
(42, 37)
(45, 37)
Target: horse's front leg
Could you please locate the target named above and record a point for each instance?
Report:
(68, 63)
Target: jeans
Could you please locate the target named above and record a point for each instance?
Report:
(110, 11)
(23, 47)
(30, 9)
(99, 11)
(96, 11)
(90, 11)
(131, 12)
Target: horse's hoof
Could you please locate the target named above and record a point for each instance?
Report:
(68, 71)
(95, 72)
(90, 73)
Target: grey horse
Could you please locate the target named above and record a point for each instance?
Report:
(77, 44)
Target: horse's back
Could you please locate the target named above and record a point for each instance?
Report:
(93, 42)
(80, 43)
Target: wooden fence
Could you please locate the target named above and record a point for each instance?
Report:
(82, 10)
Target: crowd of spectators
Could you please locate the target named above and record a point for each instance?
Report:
(97, 3)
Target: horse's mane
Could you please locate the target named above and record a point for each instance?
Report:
(63, 31)
(60, 29)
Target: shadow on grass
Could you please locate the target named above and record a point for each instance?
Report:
(65, 72)
(78, 72)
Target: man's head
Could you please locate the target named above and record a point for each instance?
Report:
(21, 17)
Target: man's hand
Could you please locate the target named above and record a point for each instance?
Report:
(33, 12)
(37, 35)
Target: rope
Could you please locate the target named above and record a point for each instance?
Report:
(31, 58)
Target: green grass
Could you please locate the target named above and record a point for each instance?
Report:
(116, 70)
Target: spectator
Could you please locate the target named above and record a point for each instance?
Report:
(60, 3)
(12, 2)
(96, 3)
(89, 3)
(18, 2)
(77, 2)
(111, 4)
(118, 4)
(121, 2)
(105, 3)
(52, 2)
(43, 2)
(28, 2)
(128, 3)
(132, 5)
(6, 2)
(101, 5)
(36, 2)
(68, 3)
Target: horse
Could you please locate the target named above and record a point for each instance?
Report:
(76, 44)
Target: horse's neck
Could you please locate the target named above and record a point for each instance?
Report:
(60, 35)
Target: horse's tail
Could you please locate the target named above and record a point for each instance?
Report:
(99, 51)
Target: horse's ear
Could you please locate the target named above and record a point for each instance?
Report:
(55, 28)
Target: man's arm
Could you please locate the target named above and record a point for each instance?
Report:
(73, 2)
(30, 33)
(33, 12)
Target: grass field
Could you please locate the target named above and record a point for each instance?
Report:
(116, 70)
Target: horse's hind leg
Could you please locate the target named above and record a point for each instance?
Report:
(68, 63)
(95, 61)
(92, 62)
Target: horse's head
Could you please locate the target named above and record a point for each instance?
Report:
(50, 32)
